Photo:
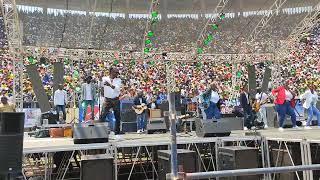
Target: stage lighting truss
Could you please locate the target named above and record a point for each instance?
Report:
(273, 10)
(14, 37)
(212, 24)
(88, 38)
(306, 25)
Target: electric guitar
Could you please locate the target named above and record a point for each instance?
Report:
(139, 108)
(257, 105)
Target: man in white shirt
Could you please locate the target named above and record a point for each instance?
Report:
(212, 95)
(88, 94)
(310, 104)
(110, 90)
(262, 98)
(60, 101)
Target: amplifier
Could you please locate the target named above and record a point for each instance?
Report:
(128, 127)
(97, 167)
(128, 116)
(209, 128)
(90, 133)
(187, 162)
(238, 157)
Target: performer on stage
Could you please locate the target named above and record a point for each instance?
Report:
(111, 91)
(285, 102)
(261, 99)
(60, 101)
(140, 105)
(88, 94)
(311, 98)
(247, 109)
(5, 106)
(211, 98)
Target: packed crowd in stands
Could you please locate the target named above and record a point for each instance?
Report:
(172, 35)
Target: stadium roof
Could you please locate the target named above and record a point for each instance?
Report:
(166, 6)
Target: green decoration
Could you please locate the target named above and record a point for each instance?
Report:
(132, 62)
(151, 62)
(228, 65)
(150, 34)
(115, 62)
(222, 16)
(146, 50)
(198, 64)
(200, 50)
(66, 61)
(75, 74)
(31, 59)
(214, 26)
(206, 42)
(237, 88)
(154, 14)
(209, 37)
(238, 73)
(147, 41)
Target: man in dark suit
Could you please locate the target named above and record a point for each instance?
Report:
(247, 109)
(139, 100)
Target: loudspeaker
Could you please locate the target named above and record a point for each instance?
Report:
(266, 79)
(126, 105)
(209, 128)
(238, 157)
(187, 162)
(252, 79)
(156, 125)
(128, 116)
(128, 127)
(97, 167)
(11, 142)
(41, 95)
(232, 122)
(90, 133)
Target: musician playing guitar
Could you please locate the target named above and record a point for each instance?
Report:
(140, 106)
(261, 99)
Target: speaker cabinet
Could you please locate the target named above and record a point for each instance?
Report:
(187, 162)
(156, 125)
(90, 133)
(97, 167)
(238, 157)
(11, 142)
(209, 128)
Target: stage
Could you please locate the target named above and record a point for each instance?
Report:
(135, 155)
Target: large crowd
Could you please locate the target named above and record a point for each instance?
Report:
(171, 35)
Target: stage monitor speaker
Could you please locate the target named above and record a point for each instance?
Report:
(38, 89)
(271, 116)
(11, 142)
(266, 79)
(97, 167)
(187, 162)
(252, 79)
(58, 73)
(90, 133)
(210, 128)
(156, 125)
(128, 127)
(238, 157)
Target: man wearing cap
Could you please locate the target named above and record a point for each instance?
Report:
(110, 90)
